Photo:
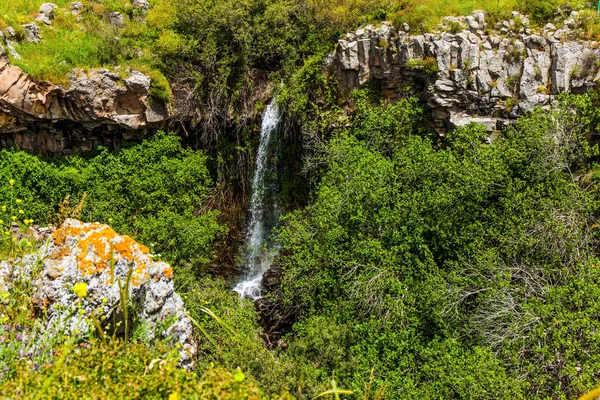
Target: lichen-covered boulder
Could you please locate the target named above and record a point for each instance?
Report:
(94, 258)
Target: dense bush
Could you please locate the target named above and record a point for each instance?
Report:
(412, 250)
(153, 191)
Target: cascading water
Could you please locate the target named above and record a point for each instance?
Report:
(263, 211)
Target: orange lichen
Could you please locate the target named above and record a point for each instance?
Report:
(99, 244)
(168, 272)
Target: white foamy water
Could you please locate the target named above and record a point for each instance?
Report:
(257, 258)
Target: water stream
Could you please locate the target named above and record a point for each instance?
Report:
(258, 254)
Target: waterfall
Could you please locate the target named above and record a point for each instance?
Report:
(263, 211)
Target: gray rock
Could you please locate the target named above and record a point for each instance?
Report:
(10, 33)
(116, 19)
(472, 23)
(13, 53)
(43, 18)
(457, 120)
(82, 253)
(47, 9)
(564, 60)
(32, 32)
(570, 23)
(480, 18)
(476, 74)
(138, 82)
(76, 7)
(141, 4)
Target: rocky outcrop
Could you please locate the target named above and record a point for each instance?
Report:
(98, 261)
(91, 98)
(476, 74)
(32, 112)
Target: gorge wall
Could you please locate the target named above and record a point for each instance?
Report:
(96, 107)
(479, 73)
(467, 71)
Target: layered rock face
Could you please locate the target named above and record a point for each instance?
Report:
(39, 116)
(95, 256)
(472, 75)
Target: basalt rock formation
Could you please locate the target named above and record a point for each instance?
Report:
(95, 107)
(482, 74)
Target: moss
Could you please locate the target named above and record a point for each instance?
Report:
(98, 9)
(160, 89)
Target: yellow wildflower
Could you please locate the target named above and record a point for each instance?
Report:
(80, 289)
(18, 201)
(174, 396)
(110, 220)
(12, 182)
(21, 212)
(3, 208)
(1, 222)
(13, 218)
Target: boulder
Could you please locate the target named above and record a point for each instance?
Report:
(44, 19)
(141, 4)
(32, 32)
(83, 269)
(116, 19)
(47, 9)
(10, 33)
(76, 7)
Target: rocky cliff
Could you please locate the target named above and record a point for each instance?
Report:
(479, 73)
(95, 107)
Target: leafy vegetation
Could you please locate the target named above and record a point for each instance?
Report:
(154, 191)
(411, 251)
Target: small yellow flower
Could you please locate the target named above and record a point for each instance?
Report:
(21, 212)
(105, 300)
(174, 396)
(1, 222)
(7, 233)
(80, 289)
(18, 201)
(11, 182)
(110, 220)
(3, 208)
(14, 218)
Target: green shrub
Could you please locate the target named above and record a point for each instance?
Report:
(99, 371)
(419, 258)
(160, 89)
(152, 191)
